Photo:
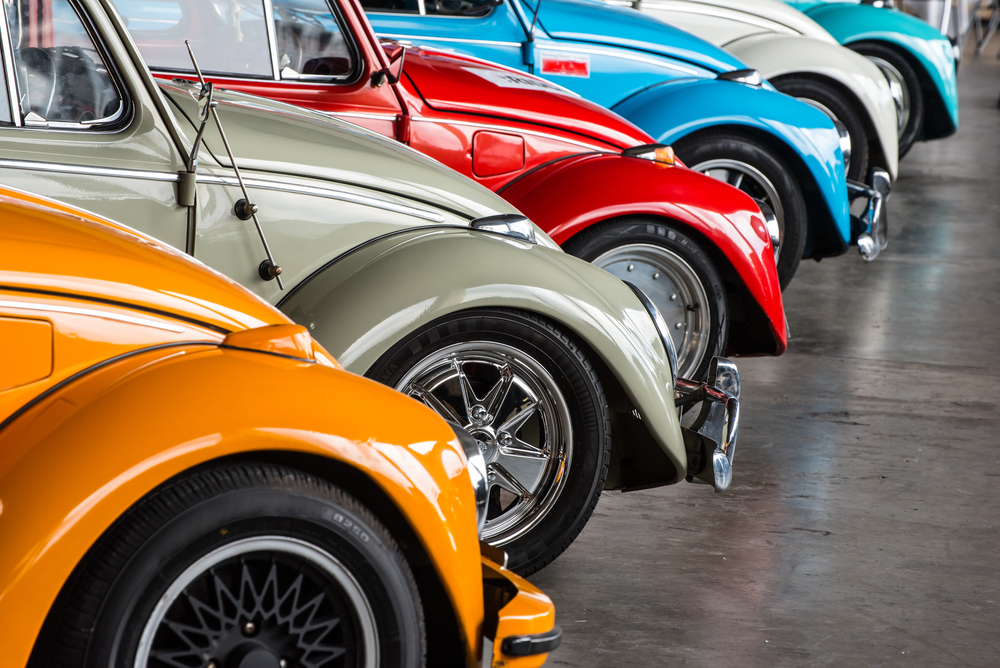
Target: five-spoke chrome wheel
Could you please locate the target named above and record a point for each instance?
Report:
(674, 287)
(514, 408)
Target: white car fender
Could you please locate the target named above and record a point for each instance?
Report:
(777, 55)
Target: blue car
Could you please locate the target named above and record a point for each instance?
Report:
(918, 61)
(721, 118)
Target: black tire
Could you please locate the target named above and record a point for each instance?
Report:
(841, 109)
(636, 241)
(705, 147)
(544, 367)
(915, 123)
(269, 521)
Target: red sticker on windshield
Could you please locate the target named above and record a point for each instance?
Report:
(565, 64)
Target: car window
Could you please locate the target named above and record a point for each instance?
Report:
(61, 76)
(310, 41)
(227, 36)
(438, 7)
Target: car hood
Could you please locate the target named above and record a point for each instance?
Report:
(56, 248)
(274, 137)
(451, 82)
(598, 23)
(772, 11)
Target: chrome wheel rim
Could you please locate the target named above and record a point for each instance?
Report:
(899, 90)
(280, 597)
(673, 285)
(750, 180)
(519, 417)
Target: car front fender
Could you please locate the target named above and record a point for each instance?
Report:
(776, 55)
(607, 186)
(925, 46)
(676, 109)
(79, 458)
(363, 304)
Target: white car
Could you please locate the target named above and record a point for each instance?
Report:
(799, 58)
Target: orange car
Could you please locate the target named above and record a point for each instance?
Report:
(188, 479)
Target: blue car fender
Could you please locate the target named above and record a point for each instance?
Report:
(927, 49)
(676, 109)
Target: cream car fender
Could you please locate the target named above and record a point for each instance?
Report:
(364, 302)
(776, 55)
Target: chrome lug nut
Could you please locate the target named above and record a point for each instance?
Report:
(673, 298)
(249, 628)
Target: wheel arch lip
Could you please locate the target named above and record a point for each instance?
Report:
(361, 307)
(609, 186)
(868, 92)
(673, 110)
(71, 465)
(924, 45)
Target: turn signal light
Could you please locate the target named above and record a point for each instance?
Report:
(656, 152)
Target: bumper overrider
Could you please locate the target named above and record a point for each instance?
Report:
(870, 228)
(519, 619)
(710, 440)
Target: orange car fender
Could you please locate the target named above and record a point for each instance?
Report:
(75, 460)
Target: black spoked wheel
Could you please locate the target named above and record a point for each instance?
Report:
(905, 86)
(674, 272)
(832, 103)
(533, 401)
(240, 566)
(745, 163)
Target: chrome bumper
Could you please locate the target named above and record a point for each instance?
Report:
(710, 439)
(870, 228)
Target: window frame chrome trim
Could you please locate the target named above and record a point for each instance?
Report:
(107, 315)
(457, 40)
(8, 67)
(272, 43)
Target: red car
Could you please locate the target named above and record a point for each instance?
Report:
(700, 249)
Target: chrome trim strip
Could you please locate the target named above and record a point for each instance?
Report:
(32, 306)
(8, 67)
(360, 114)
(324, 192)
(272, 43)
(87, 170)
(422, 7)
(502, 128)
(457, 40)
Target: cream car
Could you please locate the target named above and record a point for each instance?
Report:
(802, 60)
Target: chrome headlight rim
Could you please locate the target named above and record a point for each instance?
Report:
(661, 328)
(477, 473)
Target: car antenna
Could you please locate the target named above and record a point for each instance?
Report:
(245, 210)
(529, 53)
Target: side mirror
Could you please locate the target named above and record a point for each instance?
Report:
(392, 74)
(396, 65)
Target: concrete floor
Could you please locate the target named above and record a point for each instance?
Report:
(862, 525)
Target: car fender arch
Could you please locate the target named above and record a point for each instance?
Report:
(803, 136)
(929, 52)
(363, 304)
(854, 75)
(98, 445)
(610, 186)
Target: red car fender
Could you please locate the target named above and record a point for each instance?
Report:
(603, 186)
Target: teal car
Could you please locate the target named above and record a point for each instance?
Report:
(918, 61)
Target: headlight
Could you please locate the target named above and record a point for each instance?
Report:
(661, 328)
(771, 222)
(656, 152)
(508, 224)
(477, 472)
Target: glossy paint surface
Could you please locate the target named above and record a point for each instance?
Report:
(350, 310)
(708, 207)
(849, 23)
(629, 55)
(813, 135)
(527, 613)
(75, 456)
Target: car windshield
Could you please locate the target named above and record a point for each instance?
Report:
(231, 37)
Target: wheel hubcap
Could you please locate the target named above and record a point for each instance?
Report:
(514, 409)
(750, 180)
(262, 602)
(673, 285)
(899, 90)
